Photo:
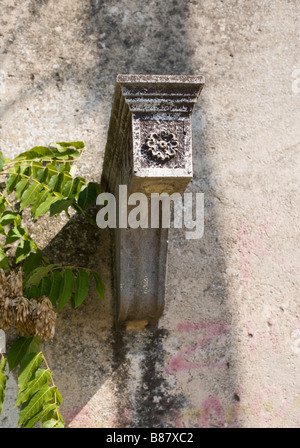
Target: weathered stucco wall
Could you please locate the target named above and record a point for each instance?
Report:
(227, 350)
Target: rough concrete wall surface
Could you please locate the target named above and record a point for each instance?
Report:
(226, 352)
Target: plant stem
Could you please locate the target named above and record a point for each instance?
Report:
(10, 205)
(37, 166)
(53, 385)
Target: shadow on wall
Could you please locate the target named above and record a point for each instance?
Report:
(117, 37)
(109, 377)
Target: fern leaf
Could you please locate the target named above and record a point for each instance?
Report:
(41, 378)
(27, 369)
(44, 411)
(45, 206)
(35, 403)
(30, 194)
(2, 381)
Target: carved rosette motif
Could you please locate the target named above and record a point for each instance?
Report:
(162, 145)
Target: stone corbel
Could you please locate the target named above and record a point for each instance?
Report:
(149, 150)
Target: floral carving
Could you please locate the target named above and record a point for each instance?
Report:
(162, 145)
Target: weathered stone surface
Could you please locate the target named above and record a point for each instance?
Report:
(149, 149)
(226, 350)
(144, 106)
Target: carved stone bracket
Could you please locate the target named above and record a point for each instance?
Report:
(162, 145)
(149, 149)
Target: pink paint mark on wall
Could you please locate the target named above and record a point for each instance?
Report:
(178, 422)
(271, 407)
(209, 331)
(267, 407)
(212, 412)
(78, 418)
(122, 418)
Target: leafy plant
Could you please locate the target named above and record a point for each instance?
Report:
(32, 287)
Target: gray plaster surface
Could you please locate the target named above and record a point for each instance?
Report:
(227, 350)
